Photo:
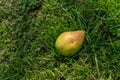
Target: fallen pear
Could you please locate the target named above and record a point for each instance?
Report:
(68, 43)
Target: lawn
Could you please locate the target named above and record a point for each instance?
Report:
(29, 29)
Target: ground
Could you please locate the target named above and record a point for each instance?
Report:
(29, 28)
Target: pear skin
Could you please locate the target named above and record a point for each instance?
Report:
(68, 43)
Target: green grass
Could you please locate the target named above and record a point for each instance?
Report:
(29, 28)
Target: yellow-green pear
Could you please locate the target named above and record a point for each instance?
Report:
(68, 43)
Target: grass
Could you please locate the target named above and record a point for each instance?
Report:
(29, 28)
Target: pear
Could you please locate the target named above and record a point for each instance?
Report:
(68, 43)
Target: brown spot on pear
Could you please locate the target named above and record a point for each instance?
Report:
(68, 43)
